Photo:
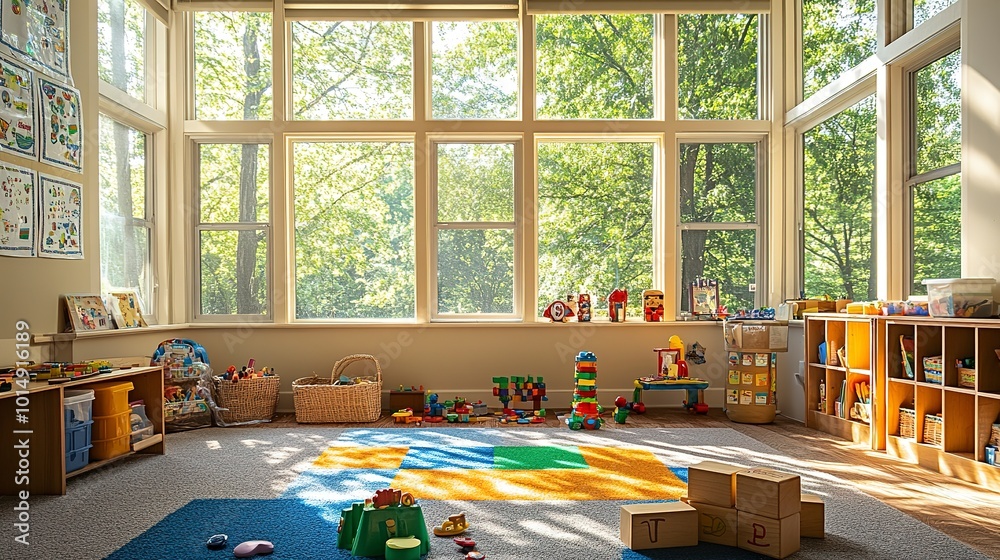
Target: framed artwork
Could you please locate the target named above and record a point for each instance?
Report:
(38, 32)
(704, 297)
(87, 313)
(17, 110)
(126, 308)
(61, 208)
(61, 125)
(18, 196)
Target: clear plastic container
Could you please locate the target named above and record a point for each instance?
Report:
(78, 405)
(960, 297)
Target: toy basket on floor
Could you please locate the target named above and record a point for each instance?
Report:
(324, 400)
(247, 400)
(932, 369)
(907, 422)
(933, 429)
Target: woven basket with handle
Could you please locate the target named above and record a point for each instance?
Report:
(320, 400)
(248, 399)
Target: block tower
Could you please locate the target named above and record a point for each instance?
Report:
(586, 412)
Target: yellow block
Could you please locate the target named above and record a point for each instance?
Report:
(355, 457)
(586, 382)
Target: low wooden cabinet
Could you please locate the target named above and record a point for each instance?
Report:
(44, 432)
(858, 336)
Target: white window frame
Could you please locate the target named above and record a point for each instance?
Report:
(516, 226)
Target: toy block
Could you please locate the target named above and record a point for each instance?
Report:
(586, 382)
(716, 524)
(500, 380)
(540, 380)
(659, 525)
(713, 483)
(813, 516)
(768, 492)
(585, 375)
(776, 538)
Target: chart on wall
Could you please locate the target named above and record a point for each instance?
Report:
(38, 31)
(61, 125)
(17, 211)
(17, 110)
(60, 218)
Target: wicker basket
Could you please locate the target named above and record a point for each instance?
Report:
(932, 369)
(319, 400)
(933, 429)
(907, 422)
(995, 435)
(966, 377)
(247, 400)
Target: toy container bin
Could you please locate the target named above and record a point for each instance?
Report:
(77, 408)
(960, 297)
(112, 429)
(111, 398)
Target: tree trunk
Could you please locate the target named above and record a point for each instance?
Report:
(247, 240)
(131, 267)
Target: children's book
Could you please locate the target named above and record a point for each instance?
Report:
(87, 313)
(126, 308)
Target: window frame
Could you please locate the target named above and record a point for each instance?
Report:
(197, 227)
(516, 227)
(759, 225)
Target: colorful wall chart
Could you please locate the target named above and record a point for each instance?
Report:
(61, 125)
(17, 211)
(17, 109)
(61, 236)
(38, 30)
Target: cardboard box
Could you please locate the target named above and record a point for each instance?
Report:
(756, 336)
(713, 483)
(659, 525)
(768, 492)
(717, 524)
(776, 538)
(813, 516)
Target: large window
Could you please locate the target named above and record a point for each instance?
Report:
(594, 66)
(474, 70)
(126, 216)
(924, 9)
(719, 213)
(836, 36)
(232, 65)
(233, 230)
(717, 66)
(121, 46)
(838, 210)
(935, 172)
(595, 220)
(354, 239)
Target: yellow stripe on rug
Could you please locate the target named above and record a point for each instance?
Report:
(614, 474)
(361, 457)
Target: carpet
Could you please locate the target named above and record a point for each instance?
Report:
(528, 494)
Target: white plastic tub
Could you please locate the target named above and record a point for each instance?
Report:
(960, 297)
(78, 405)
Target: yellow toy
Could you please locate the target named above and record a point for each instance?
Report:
(455, 525)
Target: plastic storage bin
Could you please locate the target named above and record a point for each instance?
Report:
(960, 297)
(111, 435)
(111, 398)
(77, 407)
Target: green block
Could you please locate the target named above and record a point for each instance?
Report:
(586, 375)
(365, 532)
(502, 381)
(534, 458)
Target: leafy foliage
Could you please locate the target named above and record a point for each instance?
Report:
(717, 66)
(836, 35)
(232, 54)
(474, 70)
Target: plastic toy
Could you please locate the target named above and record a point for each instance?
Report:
(253, 548)
(475, 555)
(365, 527)
(433, 408)
(586, 412)
(465, 542)
(558, 312)
(402, 548)
(217, 542)
(617, 303)
(519, 389)
(583, 308)
(454, 525)
(621, 410)
(652, 305)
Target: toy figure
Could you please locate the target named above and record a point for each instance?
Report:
(583, 308)
(617, 303)
(558, 312)
(652, 305)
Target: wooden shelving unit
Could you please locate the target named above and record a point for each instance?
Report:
(859, 336)
(968, 413)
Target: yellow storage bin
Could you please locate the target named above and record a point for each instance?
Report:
(112, 427)
(109, 448)
(111, 399)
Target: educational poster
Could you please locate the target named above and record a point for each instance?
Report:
(126, 309)
(38, 30)
(17, 110)
(734, 377)
(60, 211)
(732, 396)
(61, 125)
(17, 211)
(87, 313)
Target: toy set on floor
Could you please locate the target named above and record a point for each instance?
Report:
(586, 411)
(756, 509)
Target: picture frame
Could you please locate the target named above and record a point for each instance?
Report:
(87, 313)
(126, 309)
(704, 297)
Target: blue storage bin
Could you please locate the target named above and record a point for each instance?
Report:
(78, 436)
(77, 459)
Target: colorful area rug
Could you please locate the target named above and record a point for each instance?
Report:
(527, 494)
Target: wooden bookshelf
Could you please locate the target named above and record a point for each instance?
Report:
(859, 336)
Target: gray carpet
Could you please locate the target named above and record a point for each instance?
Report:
(105, 510)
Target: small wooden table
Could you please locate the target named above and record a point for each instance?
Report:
(695, 390)
(41, 439)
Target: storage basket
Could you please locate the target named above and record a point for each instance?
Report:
(933, 429)
(248, 399)
(995, 435)
(907, 422)
(966, 377)
(932, 369)
(320, 400)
